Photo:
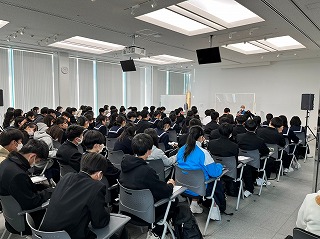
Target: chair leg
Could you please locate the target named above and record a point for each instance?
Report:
(240, 192)
(280, 170)
(9, 236)
(3, 234)
(306, 154)
(164, 230)
(171, 231)
(263, 177)
(208, 218)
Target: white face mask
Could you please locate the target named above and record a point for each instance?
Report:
(80, 141)
(33, 164)
(19, 147)
(30, 133)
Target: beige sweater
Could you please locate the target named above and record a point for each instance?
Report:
(3, 153)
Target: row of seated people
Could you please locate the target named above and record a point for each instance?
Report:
(76, 139)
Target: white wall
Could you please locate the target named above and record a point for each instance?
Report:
(278, 87)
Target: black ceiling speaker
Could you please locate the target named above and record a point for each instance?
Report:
(208, 55)
(1, 97)
(307, 101)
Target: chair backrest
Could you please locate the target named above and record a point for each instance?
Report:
(11, 208)
(172, 135)
(139, 203)
(116, 158)
(230, 163)
(158, 166)
(65, 168)
(274, 148)
(254, 154)
(110, 143)
(301, 136)
(191, 179)
(36, 234)
(299, 233)
(162, 147)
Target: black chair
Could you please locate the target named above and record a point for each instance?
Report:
(157, 165)
(116, 158)
(299, 233)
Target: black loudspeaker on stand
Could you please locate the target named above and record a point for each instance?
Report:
(307, 103)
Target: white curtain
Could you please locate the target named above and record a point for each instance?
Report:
(33, 80)
(4, 81)
(135, 83)
(159, 85)
(73, 82)
(86, 82)
(176, 83)
(109, 84)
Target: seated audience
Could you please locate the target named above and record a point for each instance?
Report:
(43, 113)
(101, 123)
(15, 180)
(124, 140)
(226, 113)
(239, 127)
(28, 130)
(193, 157)
(115, 131)
(266, 123)
(250, 141)
(68, 153)
(10, 140)
(131, 117)
(213, 124)
(144, 122)
(162, 128)
(157, 153)
(207, 117)
(308, 215)
(180, 116)
(94, 142)
(182, 140)
(132, 166)
(79, 199)
(174, 126)
(215, 133)
(156, 118)
(295, 126)
(272, 135)
(30, 116)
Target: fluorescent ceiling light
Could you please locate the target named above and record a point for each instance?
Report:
(282, 43)
(227, 11)
(163, 59)
(196, 17)
(83, 44)
(245, 48)
(3, 23)
(175, 22)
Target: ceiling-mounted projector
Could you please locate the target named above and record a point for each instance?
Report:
(134, 51)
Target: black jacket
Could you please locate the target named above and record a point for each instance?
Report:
(111, 173)
(223, 147)
(142, 125)
(136, 174)
(215, 134)
(124, 145)
(76, 201)
(250, 141)
(163, 138)
(15, 181)
(69, 154)
(271, 136)
(212, 125)
(238, 129)
(115, 131)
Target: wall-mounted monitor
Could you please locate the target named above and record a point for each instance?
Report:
(208, 55)
(128, 65)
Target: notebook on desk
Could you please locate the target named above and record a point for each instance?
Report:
(176, 188)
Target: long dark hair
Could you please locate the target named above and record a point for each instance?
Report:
(194, 133)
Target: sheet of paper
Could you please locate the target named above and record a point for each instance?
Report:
(176, 188)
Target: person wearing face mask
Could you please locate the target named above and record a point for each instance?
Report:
(15, 180)
(68, 153)
(162, 128)
(79, 199)
(94, 142)
(193, 157)
(115, 131)
(10, 140)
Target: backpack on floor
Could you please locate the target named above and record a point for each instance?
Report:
(185, 224)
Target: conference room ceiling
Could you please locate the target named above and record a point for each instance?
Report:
(112, 21)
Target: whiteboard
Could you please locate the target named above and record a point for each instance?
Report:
(234, 101)
(172, 102)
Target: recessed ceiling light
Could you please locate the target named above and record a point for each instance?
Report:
(282, 43)
(245, 48)
(3, 23)
(176, 22)
(83, 44)
(223, 11)
(163, 59)
(195, 17)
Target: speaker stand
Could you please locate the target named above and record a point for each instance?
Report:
(307, 127)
